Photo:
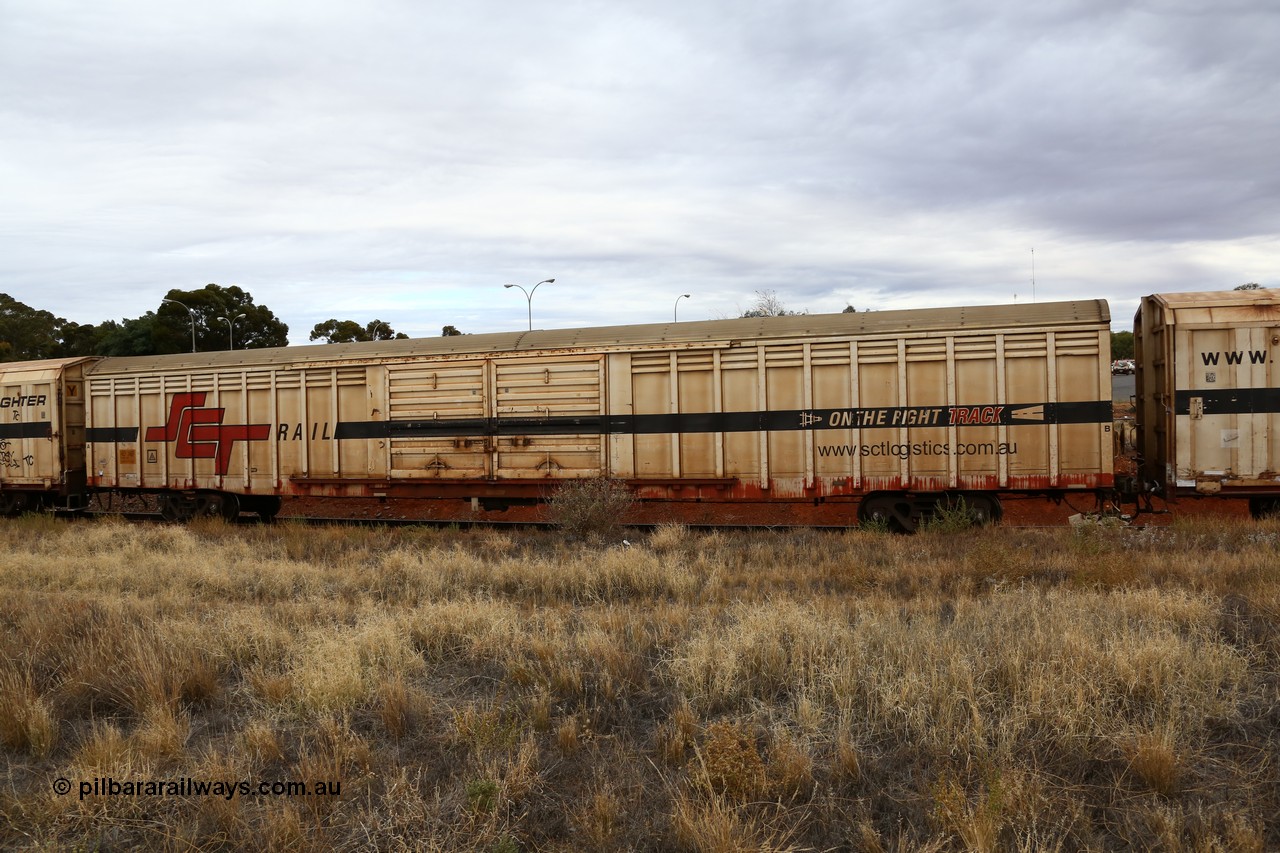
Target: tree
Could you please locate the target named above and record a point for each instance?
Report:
(1253, 285)
(131, 336)
(26, 333)
(849, 309)
(1121, 345)
(349, 331)
(81, 338)
(171, 327)
(768, 304)
(449, 332)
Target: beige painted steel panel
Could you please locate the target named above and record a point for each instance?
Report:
(976, 370)
(622, 446)
(784, 389)
(740, 390)
(1232, 445)
(696, 393)
(651, 395)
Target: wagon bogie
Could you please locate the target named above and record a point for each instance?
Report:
(906, 512)
(185, 506)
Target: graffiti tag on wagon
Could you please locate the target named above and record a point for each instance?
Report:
(9, 457)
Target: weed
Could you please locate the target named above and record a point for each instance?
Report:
(977, 823)
(1153, 757)
(592, 509)
(731, 763)
(952, 516)
(482, 795)
(27, 722)
(876, 526)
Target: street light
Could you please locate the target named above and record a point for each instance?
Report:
(675, 309)
(231, 325)
(193, 321)
(528, 295)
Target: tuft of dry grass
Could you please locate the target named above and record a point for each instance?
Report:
(1091, 688)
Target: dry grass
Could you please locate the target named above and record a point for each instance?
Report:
(1075, 689)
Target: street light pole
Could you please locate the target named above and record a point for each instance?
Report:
(231, 325)
(675, 310)
(528, 295)
(193, 321)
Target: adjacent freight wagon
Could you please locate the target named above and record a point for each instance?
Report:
(1208, 395)
(799, 419)
(42, 435)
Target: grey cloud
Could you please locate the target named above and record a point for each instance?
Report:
(825, 150)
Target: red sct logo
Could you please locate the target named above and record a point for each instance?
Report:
(200, 433)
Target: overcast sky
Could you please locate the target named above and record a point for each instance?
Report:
(406, 159)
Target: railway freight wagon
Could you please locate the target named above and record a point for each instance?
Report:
(1208, 395)
(801, 419)
(42, 416)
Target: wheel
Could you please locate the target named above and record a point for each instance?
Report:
(177, 508)
(14, 503)
(228, 506)
(1264, 507)
(183, 508)
(898, 512)
(267, 508)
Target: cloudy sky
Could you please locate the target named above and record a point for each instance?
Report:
(405, 158)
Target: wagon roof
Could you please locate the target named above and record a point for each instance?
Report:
(676, 335)
(1217, 298)
(44, 363)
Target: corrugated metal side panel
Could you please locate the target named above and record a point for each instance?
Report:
(244, 431)
(917, 412)
(430, 392)
(555, 387)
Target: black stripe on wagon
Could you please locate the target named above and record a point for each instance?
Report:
(109, 434)
(34, 429)
(892, 417)
(1230, 401)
